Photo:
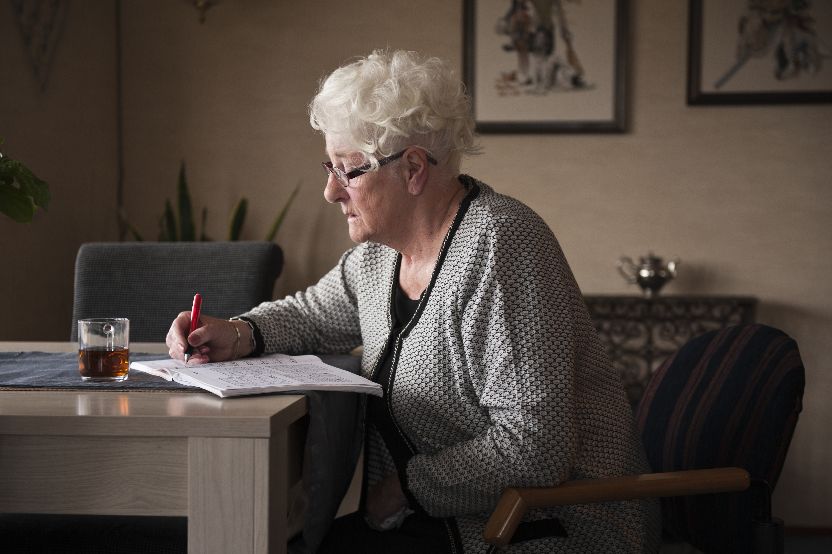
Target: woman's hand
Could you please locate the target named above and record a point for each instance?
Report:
(384, 500)
(215, 340)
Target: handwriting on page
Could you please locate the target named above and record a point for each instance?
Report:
(255, 372)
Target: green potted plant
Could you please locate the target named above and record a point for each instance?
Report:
(21, 192)
(179, 225)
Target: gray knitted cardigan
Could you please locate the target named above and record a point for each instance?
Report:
(498, 380)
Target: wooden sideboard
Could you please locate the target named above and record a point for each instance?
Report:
(640, 333)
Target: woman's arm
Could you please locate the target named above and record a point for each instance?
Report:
(321, 319)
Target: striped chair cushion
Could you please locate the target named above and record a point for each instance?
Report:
(730, 397)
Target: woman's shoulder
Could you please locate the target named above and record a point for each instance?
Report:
(494, 212)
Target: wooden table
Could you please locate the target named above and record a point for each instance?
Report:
(226, 464)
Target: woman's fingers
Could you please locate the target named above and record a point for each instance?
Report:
(215, 340)
(179, 330)
(208, 337)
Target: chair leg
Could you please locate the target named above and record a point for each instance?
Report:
(768, 536)
(768, 531)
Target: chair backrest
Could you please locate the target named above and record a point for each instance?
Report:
(730, 397)
(150, 282)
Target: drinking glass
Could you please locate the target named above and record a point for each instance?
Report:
(104, 348)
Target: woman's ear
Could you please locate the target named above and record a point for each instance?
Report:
(415, 165)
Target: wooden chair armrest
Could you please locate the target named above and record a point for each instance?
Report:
(515, 502)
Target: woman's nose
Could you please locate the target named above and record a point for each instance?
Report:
(334, 191)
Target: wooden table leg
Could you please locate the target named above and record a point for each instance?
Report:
(237, 495)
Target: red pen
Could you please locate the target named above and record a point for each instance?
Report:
(194, 322)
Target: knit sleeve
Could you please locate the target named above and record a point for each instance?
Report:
(518, 332)
(321, 319)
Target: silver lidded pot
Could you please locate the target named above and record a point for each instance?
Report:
(651, 273)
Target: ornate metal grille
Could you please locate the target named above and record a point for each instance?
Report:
(640, 333)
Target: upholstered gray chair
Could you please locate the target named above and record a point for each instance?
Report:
(150, 282)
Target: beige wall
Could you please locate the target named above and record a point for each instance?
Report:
(740, 194)
(66, 135)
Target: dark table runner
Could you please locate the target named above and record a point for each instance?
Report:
(333, 438)
(50, 370)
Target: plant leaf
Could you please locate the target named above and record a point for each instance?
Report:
(32, 186)
(133, 231)
(238, 218)
(122, 217)
(170, 222)
(22, 192)
(278, 221)
(162, 232)
(15, 204)
(202, 235)
(186, 218)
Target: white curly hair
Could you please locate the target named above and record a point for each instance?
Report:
(391, 100)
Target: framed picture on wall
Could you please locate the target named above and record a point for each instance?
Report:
(546, 66)
(759, 52)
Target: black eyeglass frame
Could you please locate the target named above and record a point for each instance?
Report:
(344, 178)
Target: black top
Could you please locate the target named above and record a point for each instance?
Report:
(378, 411)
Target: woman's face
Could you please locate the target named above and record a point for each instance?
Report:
(373, 202)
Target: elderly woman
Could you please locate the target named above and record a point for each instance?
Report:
(470, 319)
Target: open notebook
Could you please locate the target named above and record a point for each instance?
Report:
(274, 373)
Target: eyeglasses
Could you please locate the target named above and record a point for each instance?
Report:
(344, 177)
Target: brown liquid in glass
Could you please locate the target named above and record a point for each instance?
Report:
(100, 363)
